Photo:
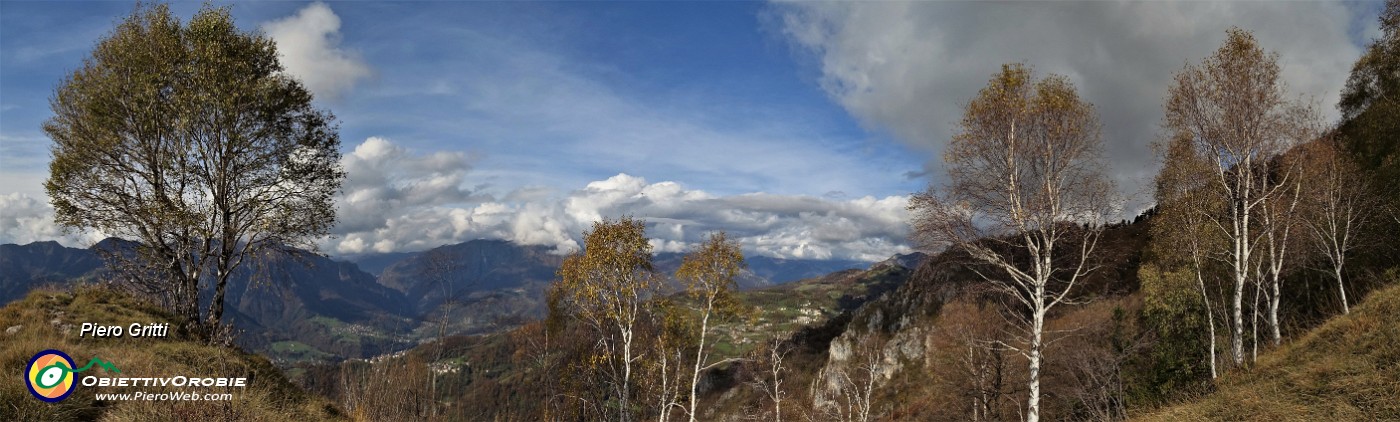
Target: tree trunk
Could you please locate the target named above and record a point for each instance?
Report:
(1273, 312)
(777, 383)
(625, 408)
(186, 294)
(1253, 325)
(1341, 287)
(1033, 402)
(1241, 274)
(216, 307)
(699, 355)
(663, 408)
(185, 291)
(1210, 319)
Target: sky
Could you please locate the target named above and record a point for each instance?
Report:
(800, 128)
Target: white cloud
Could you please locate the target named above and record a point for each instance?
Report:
(381, 212)
(24, 219)
(909, 67)
(395, 199)
(781, 226)
(308, 45)
(384, 181)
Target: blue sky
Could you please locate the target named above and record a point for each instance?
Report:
(796, 126)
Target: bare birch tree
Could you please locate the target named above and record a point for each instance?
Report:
(966, 360)
(770, 359)
(1232, 107)
(1340, 203)
(845, 391)
(1278, 216)
(1026, 197)
(441, 269)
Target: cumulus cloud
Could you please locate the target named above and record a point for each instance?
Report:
(24, 219)
(396, 200)
(782, 226)
(385, 182)
(308, 45)
(908, 67)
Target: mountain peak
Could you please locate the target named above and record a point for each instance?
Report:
(910, 260)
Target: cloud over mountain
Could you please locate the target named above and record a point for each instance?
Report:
(397, 200)
(25, 219)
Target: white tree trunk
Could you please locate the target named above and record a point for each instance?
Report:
(1273, 312)
(1341, 287)
(1210, 320)
(700, 355)
(1241, 269)
(1033, 402)
(625, 409)
(1254, 325)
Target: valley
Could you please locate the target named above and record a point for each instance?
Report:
(301, 307)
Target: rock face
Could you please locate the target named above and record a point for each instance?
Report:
(889, 332)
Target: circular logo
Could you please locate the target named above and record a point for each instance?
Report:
(50, 376)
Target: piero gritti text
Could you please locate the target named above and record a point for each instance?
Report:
(136, 329)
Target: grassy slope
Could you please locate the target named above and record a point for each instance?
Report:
(50, 319)
(1347, 369)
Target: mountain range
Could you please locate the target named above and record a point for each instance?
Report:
(303, 306)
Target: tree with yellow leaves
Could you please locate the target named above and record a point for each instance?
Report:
(606, 287)
(709, 274)
(1233, 111)
(1026, 198)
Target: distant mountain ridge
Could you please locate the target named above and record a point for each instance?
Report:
(314, 307)
(274, 299)
(374, 263)
(23, 267)
(494, 284)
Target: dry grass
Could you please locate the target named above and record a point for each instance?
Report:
(50, 319)
(1347, 369)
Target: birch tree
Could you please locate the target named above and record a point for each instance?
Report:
(1278, 216)
(442, 270)
(671, 334)
(769, 359)
(1185, 204)
(606, 287)
(1340, 204)
(710, 274)
(1026, 197)
(190, 139)
(1232, 107)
